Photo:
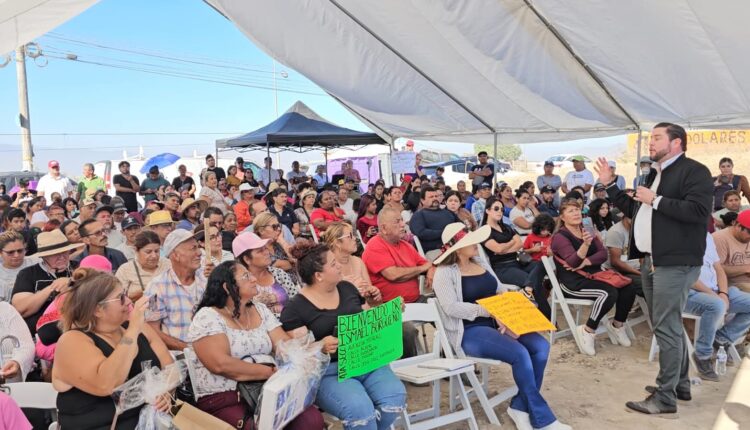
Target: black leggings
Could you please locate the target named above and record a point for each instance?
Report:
(604, 296)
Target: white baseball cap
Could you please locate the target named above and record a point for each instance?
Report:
(175, 238)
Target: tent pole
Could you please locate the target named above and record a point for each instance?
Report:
(390, 162)
(494, 168)
(326, 155)
(638, 155)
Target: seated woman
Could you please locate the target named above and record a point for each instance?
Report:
(234, 340)
(454, 204)
(305, 206)
(340, 239)
(229, 232)
(371, 401)
(601, 217)
(523, 214)
(502, 248)
(100, 349)
(574, 250)
(267, 226)
(275, 286)
(15, 366)
(461, 279)
(147, 264)
(218, 255)
(367, 219)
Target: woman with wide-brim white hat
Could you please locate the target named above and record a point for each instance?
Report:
(460, 280)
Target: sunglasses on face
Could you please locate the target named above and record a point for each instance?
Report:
(275, 227)
(497, 208)
(121, 297)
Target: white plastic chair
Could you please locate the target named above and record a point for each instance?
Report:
(416, 370)
(557, 298)
(418, 244)
(732, 350)
(314, 234)
(35, 395)
(478, 389)
(645, 317)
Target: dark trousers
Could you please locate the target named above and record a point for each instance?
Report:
(605, 297)
(666, 290)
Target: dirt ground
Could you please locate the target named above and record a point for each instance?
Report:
(589, 393)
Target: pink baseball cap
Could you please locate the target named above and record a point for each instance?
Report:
(245, 242)
(97, 262)
(53, 163)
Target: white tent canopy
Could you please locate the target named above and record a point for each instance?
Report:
(22, 21)
(521, 70)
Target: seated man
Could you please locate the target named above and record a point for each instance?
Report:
(428, 223)
(712, 298)
(394, 267)
(548, 205)
(94, 235)
(732, 202)
(732, 248)
(178, 290)
(36, 286)
(617, 241)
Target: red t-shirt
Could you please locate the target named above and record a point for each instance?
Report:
(533, 239)
(323, 214)
(380, 255)
(364, 224)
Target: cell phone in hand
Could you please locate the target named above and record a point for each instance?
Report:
(152, 303)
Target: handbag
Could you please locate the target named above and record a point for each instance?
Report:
(250, 391)
(609, 277)
(188, 417)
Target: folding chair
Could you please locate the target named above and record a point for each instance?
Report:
(645, 317)
(314, 234)
(431, 368)
(478, 389)
(35, 395)
(732, 350)
(558, 298)
(418, 244)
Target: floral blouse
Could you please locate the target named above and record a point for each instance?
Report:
(253, 346)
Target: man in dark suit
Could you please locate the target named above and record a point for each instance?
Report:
(668, 233)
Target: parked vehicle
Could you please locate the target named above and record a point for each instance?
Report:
(565, 161)
(458, 170)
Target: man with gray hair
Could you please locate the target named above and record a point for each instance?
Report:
(395, 266)
(90, 181)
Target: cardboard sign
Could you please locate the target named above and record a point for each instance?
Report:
(403, 162)
(517, 313)
(369, 339)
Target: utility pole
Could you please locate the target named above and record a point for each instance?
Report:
(27, 152)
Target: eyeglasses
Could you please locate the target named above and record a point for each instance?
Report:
(350, 236)
(120, 297)
(15, 251)
(99, 233)
(275, 227)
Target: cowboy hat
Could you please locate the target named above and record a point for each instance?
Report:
(202, 204)
(54, 242)
(457, 236)
(159, 217)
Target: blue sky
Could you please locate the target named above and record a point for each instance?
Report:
(70, 97)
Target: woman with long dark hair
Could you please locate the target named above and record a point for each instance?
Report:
(601, 216)
(70, 205)
(234, 340)
(367, 219)
(373, 400)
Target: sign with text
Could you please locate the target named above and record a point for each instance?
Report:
(369, 339)
(517, 313)
(704, 137)
(403, 162)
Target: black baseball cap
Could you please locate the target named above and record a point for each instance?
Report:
(485, 186)
(129, 222)
(549, 163)
(547, 189)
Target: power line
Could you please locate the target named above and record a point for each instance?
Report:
(185, 75)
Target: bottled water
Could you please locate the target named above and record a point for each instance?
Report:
(721, 361)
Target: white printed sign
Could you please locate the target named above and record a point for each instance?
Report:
(403, 162)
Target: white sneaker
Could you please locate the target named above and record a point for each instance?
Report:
(587, 340)
(520, 419)
(557, 425)
(620, 334)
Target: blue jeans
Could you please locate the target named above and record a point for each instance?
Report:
(371, 401)
(527, 356)
(711, 308)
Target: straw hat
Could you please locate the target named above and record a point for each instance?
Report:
(457, 236)
(308, 192)
(54, 242)
(202, 204)
(159, 217)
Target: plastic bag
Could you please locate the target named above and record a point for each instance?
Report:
(145, 387)
(300, 366)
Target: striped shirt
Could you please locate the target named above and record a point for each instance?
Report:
(175, 303)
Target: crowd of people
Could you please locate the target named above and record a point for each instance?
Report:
(91, 285)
